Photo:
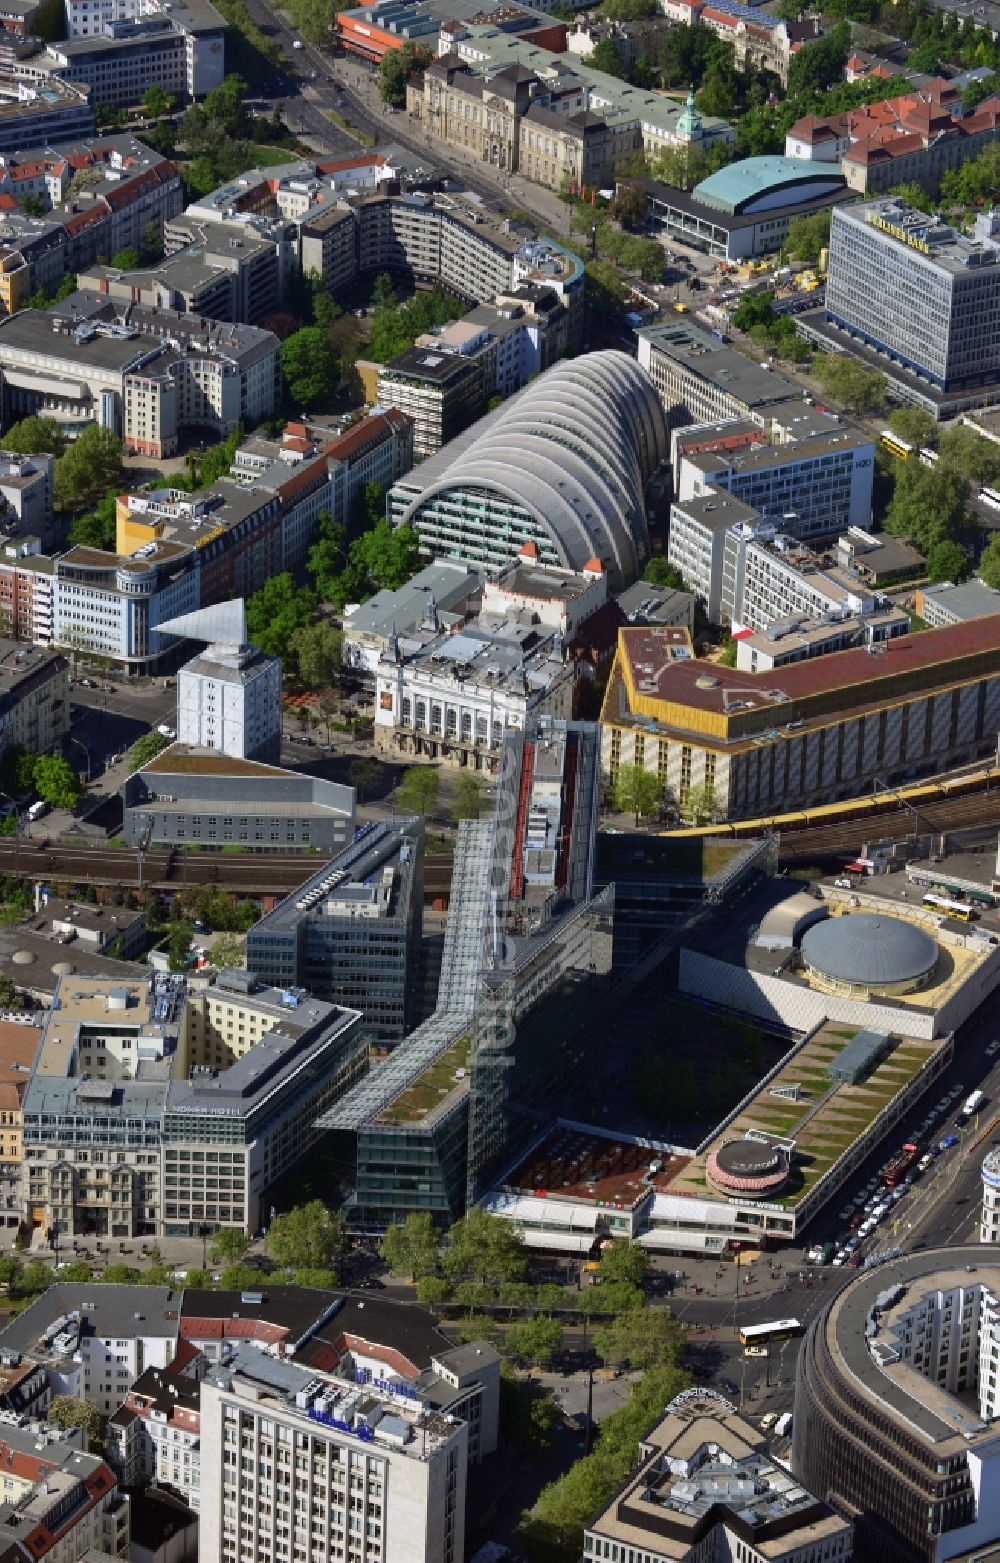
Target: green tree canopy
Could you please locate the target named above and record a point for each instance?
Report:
(808, 235)
(69, 1412)
(971, 455)
(311, 370)
(484, 1248)
(87, 468)
(928, 504)
(229, 1245)
(316, 651)
(410, 1247)
(145, 749)
(32, 205)
(538, 1340)
(989, 563)
(845, 380)
(948, 561)
(179, 945)
(56, 782)
(395, 70)
(623, 1261)
(418, 790)
(467, 796)
(754, 309)
(276, 611)
(307, 1236)
(915, 425)
(156, 102)
(636, 791)
(659, 572)
(127, 259)
(364, 774)
(35, 437)
(641, 1339)
(605, 57)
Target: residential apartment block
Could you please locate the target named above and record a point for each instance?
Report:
(442, 392)
(103, 194)
(351, 933)
(34, 698)
(157, 1108)
(222, 275)
(918, 292)
(795, 736)
(57, 1502)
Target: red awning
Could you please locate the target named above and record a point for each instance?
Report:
(857, 867)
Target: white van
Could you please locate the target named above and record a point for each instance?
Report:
(38, 810)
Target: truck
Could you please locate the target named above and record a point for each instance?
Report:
(973, 1103)
(899, 1164)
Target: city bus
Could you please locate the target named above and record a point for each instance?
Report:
(963, 910)
(894, 445)
(762, 1334)
(989, 496)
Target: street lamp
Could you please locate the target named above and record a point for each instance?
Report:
(86, 750)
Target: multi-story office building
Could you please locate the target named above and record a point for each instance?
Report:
(702, 380)
(369, 1472)
(199, 796)
(443, 392)
(796, 736)
(809, 487)
(228, 697)
(34, 698)
(178, 46)
(26, 520)
(351, 933)
(148, 373)
(564, 465)
(705, 1481)
(94, 1341)
(45, 111)
(896, 1404)
(951, 604)
(221, 275)
(917, 291)
(109, 605)
(989, 1220)
(18, 1049)
(156, 1110)
(527, 951)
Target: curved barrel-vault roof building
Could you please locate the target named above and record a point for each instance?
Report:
(564, 464)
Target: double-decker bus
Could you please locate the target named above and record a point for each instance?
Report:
(763, 1334)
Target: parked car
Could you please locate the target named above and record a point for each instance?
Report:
(948, 1141)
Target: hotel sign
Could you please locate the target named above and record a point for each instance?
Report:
(899, 233)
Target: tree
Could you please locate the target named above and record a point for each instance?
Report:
(230, 950)
(989, 563)
(605, 57)
(316, 651)
(484, 1248)
(755, 309)
(56, 782)
(312, 373)
(433, 1290)
(32, 205)
(846, 380)
(397, 66)
(621, 1261)
(127, 259)
(948, 561)
(807, 236)
(363, 774)
(276, 611)
(145, 749)
(69, 1412)
(87, 468)
(156, 102)
(700, 805)
(976, 458)
(627, 10)
(636, 791)
(383, 294)
(307, 1236)
(35, 437)
(179, 946)
(417, 792)
(537, 1340)
(229, 1245)
(604, 289)
(659, 572)
(928, 504)
(388, 554)
(727, 656)
(150, 245)
(640, 1339)
(914, 425)
(410, 1247)
(467, 802)
(629, 206)
(681, 166)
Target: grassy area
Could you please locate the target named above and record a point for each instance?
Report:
(272, 157)
(429, 1089)
(343, 123)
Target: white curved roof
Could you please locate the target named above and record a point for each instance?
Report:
(575, 449)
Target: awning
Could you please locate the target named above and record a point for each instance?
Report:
(680, 1240)
(48, 384)
(566, 1242)
(859, 866)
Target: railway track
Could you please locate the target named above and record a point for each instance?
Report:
(803, 846)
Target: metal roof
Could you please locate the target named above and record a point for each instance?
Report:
(869, 949)
(730, 188)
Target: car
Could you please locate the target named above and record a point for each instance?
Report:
(870, 1204)
(948, 1141)
(165, 730)
(955, 1092)
(755, 1351)
(842, 884)
(911, 1176)
(856, 1220)
(838, 1260)
(852, 1243)
(934, 1152)
(88, 683)
(729, 1387)
(846, 1213)
(768, 1420)
(897, 1195)
(859, 1199)
(993, 1048)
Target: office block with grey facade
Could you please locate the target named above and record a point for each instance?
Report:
(913, 288)
(351, 933)
(187, 794)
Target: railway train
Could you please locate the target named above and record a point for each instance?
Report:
(912, 795)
